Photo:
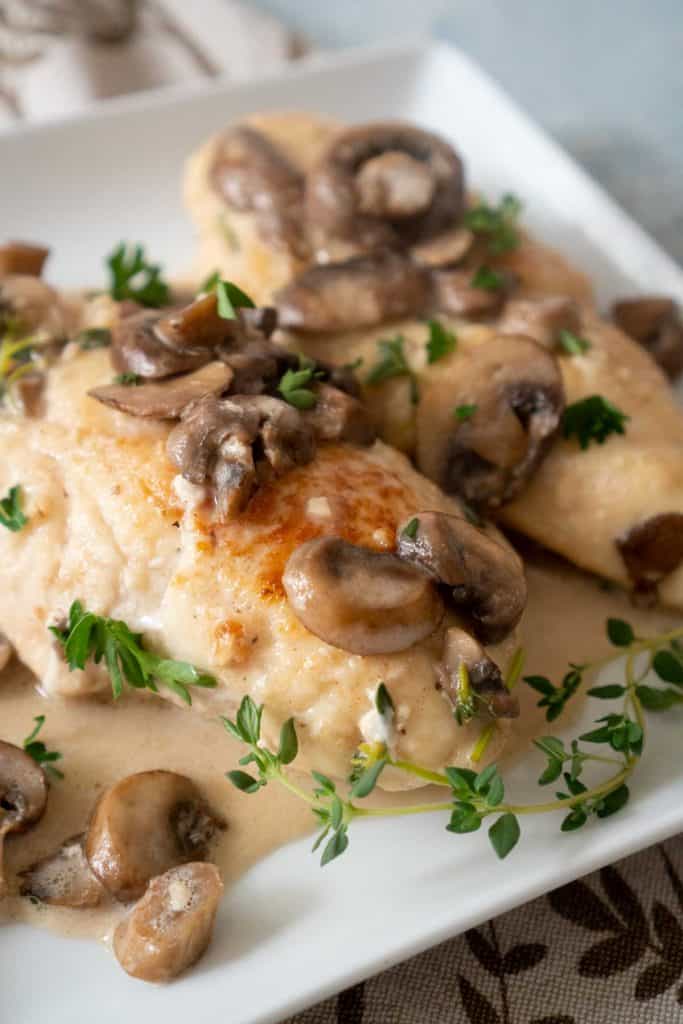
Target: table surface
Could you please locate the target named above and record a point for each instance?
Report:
(605, 78)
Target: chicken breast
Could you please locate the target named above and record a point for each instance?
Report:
(111, 524)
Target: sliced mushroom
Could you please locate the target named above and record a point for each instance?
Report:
(254, 176)
(654, 321)
(287, 438)
(542, 319)
(383, 184)
(456, 294)
(196, 326)
(63, 879)
(652, 549)
(137, 348)
(258, 365)
(171, 926)
(23, 795)
(365, 602)
(167, 399)
(485, 579)
(22, 258)
(516, 391)
(6, 651)
(144, 825)
(483, 674)
(445, 249)
(338, 416)
(33, 306)
(358, 292)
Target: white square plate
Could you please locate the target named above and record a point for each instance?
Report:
(290, 934)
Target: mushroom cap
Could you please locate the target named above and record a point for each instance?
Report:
(63, 879)
(485, 578)
(653, 321)
(23, 790)
(137, 348)
(541, 319)
(34, 304)
(455, 294)
(363, 601)
(22, 258)
(516, 388)
(358, 292)
(387, 183)
(338, 416)
(170, 928)
(484, 675)
(652, 548)
(143, 825)
(166, 399)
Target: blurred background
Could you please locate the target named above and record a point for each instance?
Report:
(604, 77)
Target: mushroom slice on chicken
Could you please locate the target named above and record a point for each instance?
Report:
(464, 658)
(144, 825)
(543, 319)
(511, 390)
(170, 928)
(64, 879)
(652, 549)
(485, 579)
(136, 347)
(456, 292)
(359, 292)
(166, 399)
(382, 184)
(364, 601)
(655, 323)
(23, 795)
(338, 416)
(22, 258)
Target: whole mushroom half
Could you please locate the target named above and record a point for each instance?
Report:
(483, 578)
(144, 825)
(363, 601)
(654, 322)
(387, 183)
(170, 928)
(64, 879)
(485, 423)
(483, 676)
(652, 549)
(23, 795)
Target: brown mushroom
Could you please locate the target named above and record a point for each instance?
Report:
(166, 399)
(63, 879)
(654, 322)
(652, 549)
(144, 825)
(457, 293)
(33, 306)
(338, 416)
(137, 348)
(170, 928)
(485, 579)
(23, 795)
(383, 184)
(257, 365)
(286, 437)
(512, 396)
(364, 601)
(358, 292)
(254, 176)
(542, 319)
(28, 391)
(445, 249)
(483, 675)
(22, 258)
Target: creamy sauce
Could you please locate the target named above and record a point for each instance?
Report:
(565, 620)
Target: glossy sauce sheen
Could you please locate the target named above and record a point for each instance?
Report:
(101, 742)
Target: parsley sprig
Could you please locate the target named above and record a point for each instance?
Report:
(497, 224)
(132, 276)
(89, 636)
(593, 419)
(392, 362)
(475, 797)
(295, 386)
(573, 344)
(440, 343)
(36, 749)
(11, 513)
(488, 279)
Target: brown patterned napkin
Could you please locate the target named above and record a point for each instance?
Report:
(604, 950)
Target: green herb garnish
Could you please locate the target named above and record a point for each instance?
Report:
(411, 528)
(572, 344)
(593, 419)
(127, 380)
(464, 412)
(488, 279)
(95, 636)
(132, 277)
(294, 384)
(36, 749)
(472, 797)
(498, 224)
(441, 342)
(93, 337)
(11, 514)
(230, 299)
(209, 284)
(392, 363)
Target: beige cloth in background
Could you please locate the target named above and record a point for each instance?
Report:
(605, 950)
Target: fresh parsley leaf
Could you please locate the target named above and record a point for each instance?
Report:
(36, 749)
(487, 279)
(593, 419)
(497, 224)
(230, 299)
(127, 380)
(572, 344)
(294, 385)
(133, 277)
(392, 363)
(411, 528)
(11, 514)
(93, 337)
(464, 412)
(89, 636)
(441, 342)
(209, 283)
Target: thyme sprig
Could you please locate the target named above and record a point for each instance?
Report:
(474, 797)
